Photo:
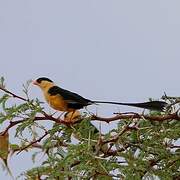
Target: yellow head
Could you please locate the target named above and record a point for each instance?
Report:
(43, 83)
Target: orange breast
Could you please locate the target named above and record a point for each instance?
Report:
(56, 102)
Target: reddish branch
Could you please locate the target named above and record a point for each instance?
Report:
(115, 118)
(34, 142)
(120, 116)
(131, 116)
(37, 118)
(138, 116)
(40, 146)
(13, 95)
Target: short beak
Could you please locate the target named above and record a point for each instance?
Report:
(35, 82)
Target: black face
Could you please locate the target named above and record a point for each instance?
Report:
(39, 80)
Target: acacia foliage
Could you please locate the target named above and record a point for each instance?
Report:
(138, 148)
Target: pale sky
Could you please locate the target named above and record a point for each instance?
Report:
(104, 50)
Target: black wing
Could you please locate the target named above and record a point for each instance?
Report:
(74, 100)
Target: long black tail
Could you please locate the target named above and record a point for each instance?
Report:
(152, 105)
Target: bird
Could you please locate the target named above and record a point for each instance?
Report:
(64, 100)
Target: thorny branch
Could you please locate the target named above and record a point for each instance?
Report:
(131, 116)
(13, 95)
(120, 116)
(34, 142)
(113, 148)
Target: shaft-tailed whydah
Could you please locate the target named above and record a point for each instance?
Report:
(67, 101)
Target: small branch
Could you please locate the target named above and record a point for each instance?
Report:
(33, 142)
(173, 116)
(116, 137)
(75, 163)
(40, 146)
(12, 123)
(115, 152)
(174, 146)
(37, 118)
(14, 95)
(138, 116)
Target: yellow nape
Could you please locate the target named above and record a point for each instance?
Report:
(45, 85)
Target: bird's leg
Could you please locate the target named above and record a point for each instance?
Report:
(71, 118)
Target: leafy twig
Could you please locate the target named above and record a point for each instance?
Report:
(34, 142)
(13, 95)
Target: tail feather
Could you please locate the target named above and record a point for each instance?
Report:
(152, 105)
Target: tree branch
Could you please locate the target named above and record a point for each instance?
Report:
(34, 142)
(37, 118)
(120, 116)
(13, 95)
